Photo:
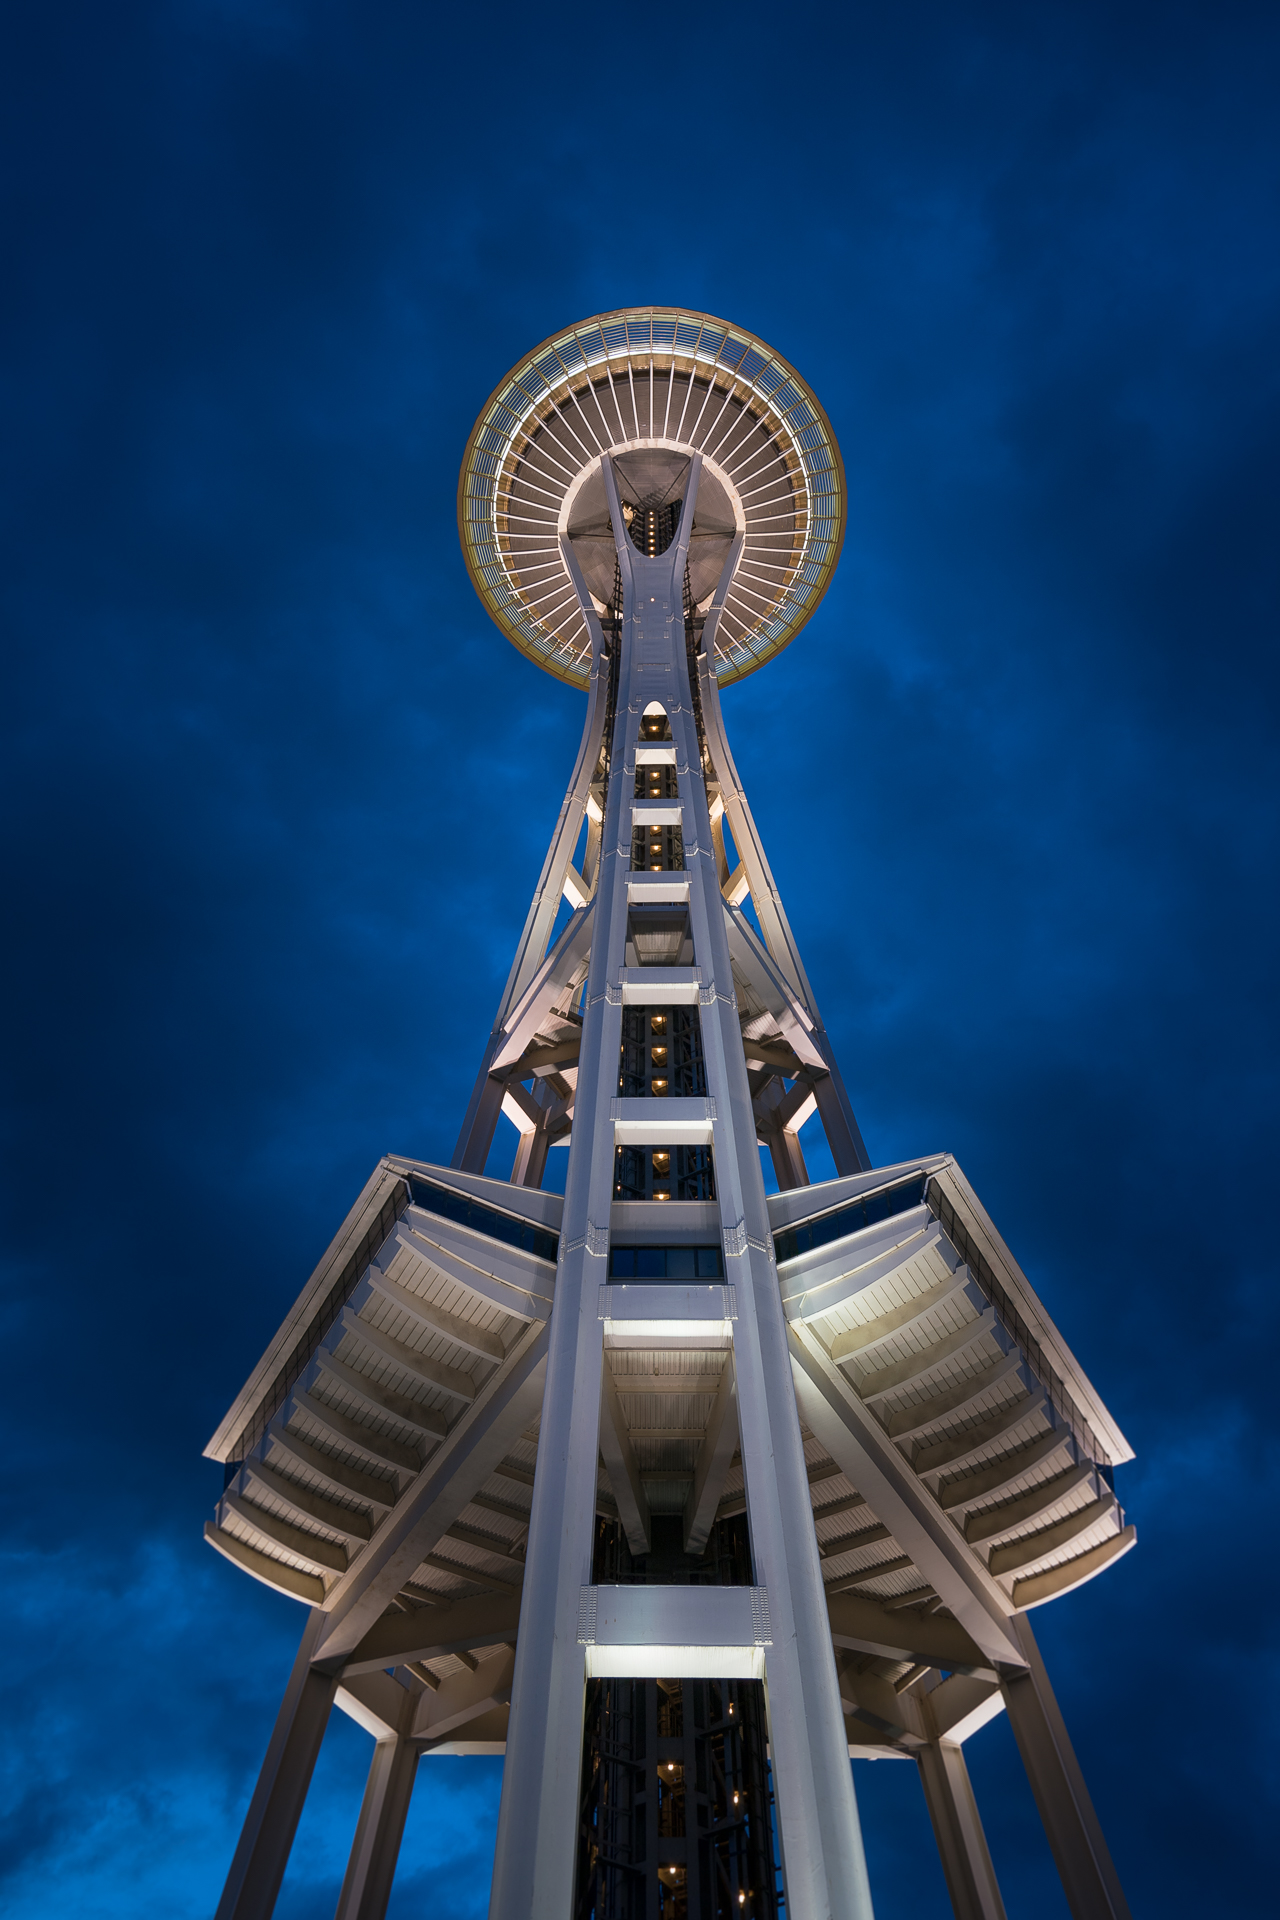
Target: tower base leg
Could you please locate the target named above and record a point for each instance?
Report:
(272, 1820)
(957, 1828)
(1084, 1865)
(379, 1831)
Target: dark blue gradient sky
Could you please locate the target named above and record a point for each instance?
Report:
(277, 792)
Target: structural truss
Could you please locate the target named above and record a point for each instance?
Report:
(678, 1493)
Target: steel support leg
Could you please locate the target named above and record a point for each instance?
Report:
(479, 1124)
(957, 1828)
(839, 1125)
(788, 1159)
(1089, 1879)
(376, 1847)
(272, 1820)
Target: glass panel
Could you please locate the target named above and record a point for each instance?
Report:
(890, 1201)
(481, 1219)
(665, 1263)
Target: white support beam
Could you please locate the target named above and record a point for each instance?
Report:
(524, 1112)
(737, 887)
(954, 1400)
(797, 1105)
(292, 1451)
(291, 1581)
(266, 1838)
(366, 1889)
(1039, 1587)
(308, 1504)
(428, 1633)
(905, 1373)
(961, 1706)
(505, 1406)
(865, 1693)
(715, 1458)
(1029, 1548)
(474, 1339)
(486, 1735)
(377, 1703)
(1088, 1876)
(320, 1555)
(620, 1464)
(379, 1447)
(873, 1333)
(861, 1624)
(854, 1437)
(957, 1828)
(429, 1373)
(968, 1488)
(428, 1421)
(465, 1696)
(574, 888)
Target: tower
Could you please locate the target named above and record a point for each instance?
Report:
(677, 1492)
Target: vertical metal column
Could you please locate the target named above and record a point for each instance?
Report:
(262, 1854)
(537, 1820)
(957, 1828)
(476, 1134)
(823, 1864)
(824, 1870)
(366, 1888)
(1089, 1878)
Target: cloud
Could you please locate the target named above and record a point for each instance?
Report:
(277, 794)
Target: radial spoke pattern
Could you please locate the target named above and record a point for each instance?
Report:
(652, 376)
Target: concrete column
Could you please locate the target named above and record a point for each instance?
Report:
(1088, 1876)
(376, 1847)
(272, 1820)
(957, 1828)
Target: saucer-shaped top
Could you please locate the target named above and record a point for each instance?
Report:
(651, 386)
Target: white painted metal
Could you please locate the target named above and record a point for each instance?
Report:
(439, 1368)
(1084, 1863)
(366, 1889)
(823, 1863)
(957, 1828)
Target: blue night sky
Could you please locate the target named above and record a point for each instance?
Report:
(277, 791)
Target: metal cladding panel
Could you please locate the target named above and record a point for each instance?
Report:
(657, 889)
(675, 1662)
(673, 1616)
(661, 986)
(660, 1123)
(667, 1301)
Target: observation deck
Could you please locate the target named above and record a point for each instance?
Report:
(651, 386)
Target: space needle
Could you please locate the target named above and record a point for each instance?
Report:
(678, 1490)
